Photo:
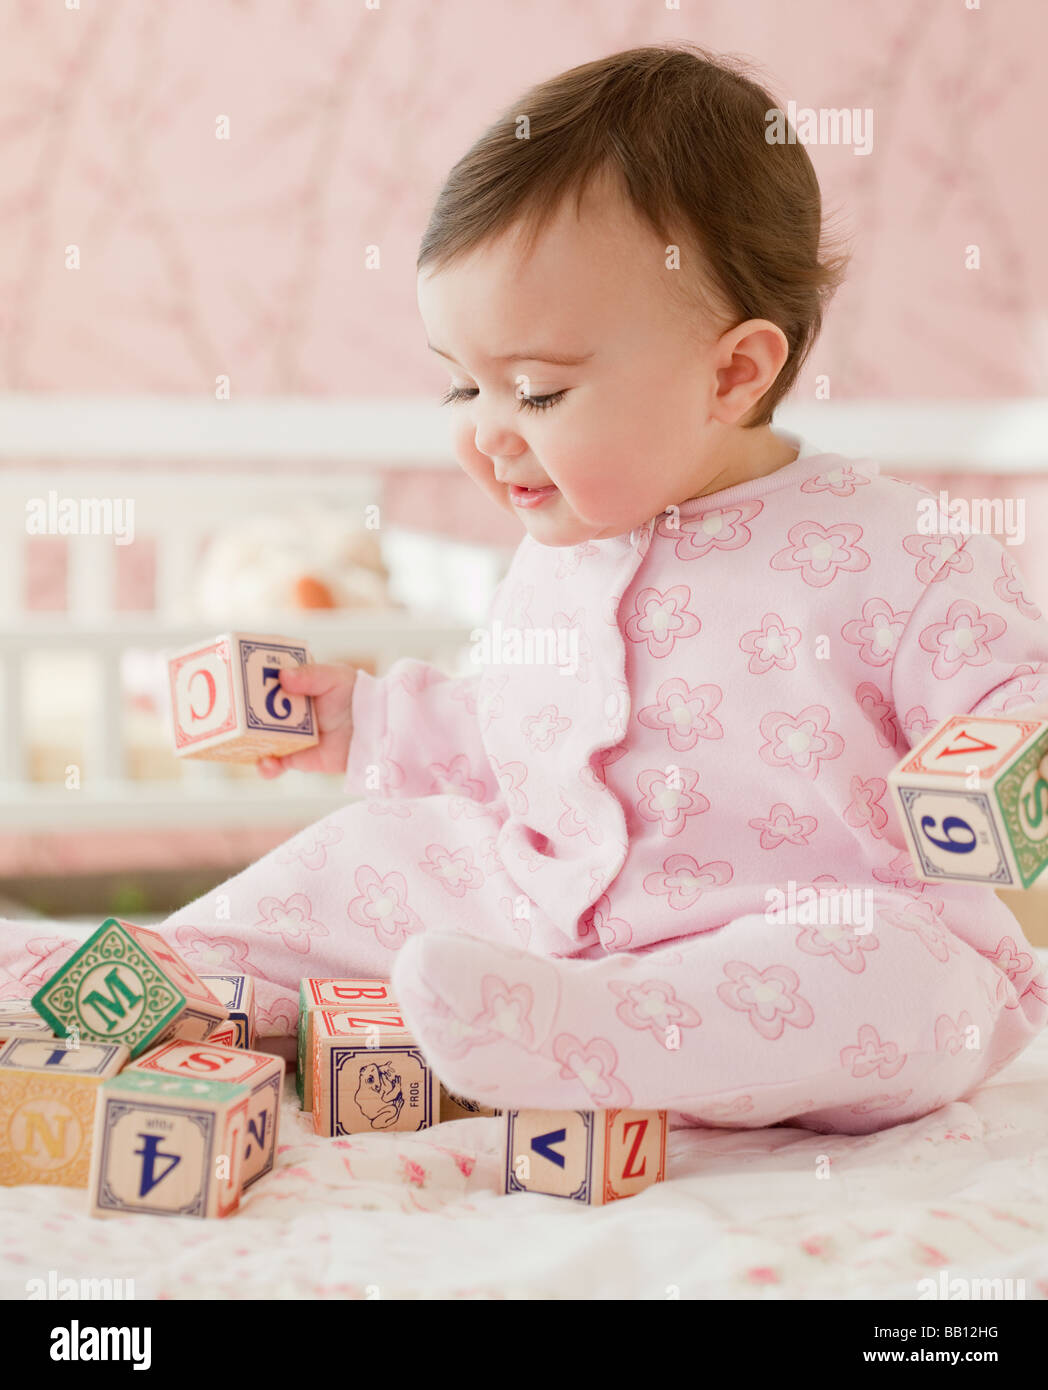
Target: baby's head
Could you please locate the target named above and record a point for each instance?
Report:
(624, 278)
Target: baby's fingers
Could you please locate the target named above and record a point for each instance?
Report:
(316, 678)
(309, 760)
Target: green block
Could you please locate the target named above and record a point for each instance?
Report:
(110, 991)
(1022, 795)
(175, 1087)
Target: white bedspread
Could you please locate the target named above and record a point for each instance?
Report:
(743, 1214)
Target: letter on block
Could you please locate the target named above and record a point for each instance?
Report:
(228, 704)
(454, 1107)
(125, 984)
(590, 1156)
(18, 1019)
(972, 802)
(329, 994)
(166, 1146)
(236, 993)
(47, 1108)
(261, 1072)
(369, 1074)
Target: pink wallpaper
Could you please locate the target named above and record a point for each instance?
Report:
(246, 256)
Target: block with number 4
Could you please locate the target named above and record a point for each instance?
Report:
(973, 803)
(261, 1072)
(125, 984)
(167, 1146)
(588, 1156)
(47, 1108)
(228, 704)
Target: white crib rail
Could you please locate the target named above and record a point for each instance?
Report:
(270, 452)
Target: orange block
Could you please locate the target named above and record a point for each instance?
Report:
(588, 1156)
(47, 1107)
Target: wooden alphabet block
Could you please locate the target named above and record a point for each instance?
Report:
(228, 704)
(125, 984)
(972, 802)
(589, 1156)
(47, 1107)
(329, 994)
(369, 1074)
(261, 1072)
(18, 1019)
(236, 993)
(226, 1033)
(454, 1107)
(167, 1146)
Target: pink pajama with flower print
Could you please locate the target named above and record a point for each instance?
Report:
(568, 861)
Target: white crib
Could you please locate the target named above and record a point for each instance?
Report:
(261, 454)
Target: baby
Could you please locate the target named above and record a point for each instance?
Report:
(712, 646)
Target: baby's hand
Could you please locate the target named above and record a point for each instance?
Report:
(332, 690)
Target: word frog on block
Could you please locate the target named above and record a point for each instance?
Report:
(973, 803)
(369, 1074)
(167, 1146)
(228, 704)
(588, 1156)
(125, 984)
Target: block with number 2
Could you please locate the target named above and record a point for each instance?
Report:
(228, 704)
(973, 803)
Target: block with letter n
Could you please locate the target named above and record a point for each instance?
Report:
(167, 1146)
(587, 1156)
(973, 803)
(125, 984)
(228, 705)
(48, 1092)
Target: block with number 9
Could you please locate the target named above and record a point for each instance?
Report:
(973, 803)
(228, 704)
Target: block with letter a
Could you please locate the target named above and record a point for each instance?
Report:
(588, 1156)
(227, 702)
(972, 801)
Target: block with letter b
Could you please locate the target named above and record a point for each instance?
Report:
(47, 1108)
(316, 993)
(167, 1146)
(261, 1072)
(973, 803)
(228, 704)
(588, 1156)
(125, 984)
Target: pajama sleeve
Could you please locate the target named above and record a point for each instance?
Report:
(416, 732)
(974, 642)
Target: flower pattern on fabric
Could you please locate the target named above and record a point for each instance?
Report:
(938, 557)
(783, 825)
(841, 943)
(878, 709)
(542, 729)
(1010, 588)
(872, 1056)
(683, 880)
(291, 921)
(865, 810)
(670, 799)
(455, 871)
(614, 933)
(593, 1064)
(821, 553)
(684, 713)
(382, 906)
(800, 741)
(311, 847)
(653, 1005)
(771, 645)
(877, 632)
(661, 620)
(963, 639)
(770, 997)
(723, 529)
(841, 481)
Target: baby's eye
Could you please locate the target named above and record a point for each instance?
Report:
(466, 393)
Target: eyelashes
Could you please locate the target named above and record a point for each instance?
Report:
(463, 393)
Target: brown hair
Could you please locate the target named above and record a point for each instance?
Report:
(685, 131)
